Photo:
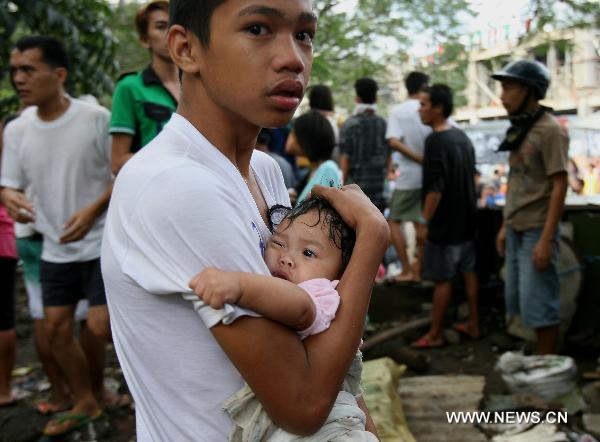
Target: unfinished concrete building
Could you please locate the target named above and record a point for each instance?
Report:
(571, 55)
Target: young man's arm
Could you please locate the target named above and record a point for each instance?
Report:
(433, 186)
(346, 149)
(345, 167)
(83, 220)
(397, 145)
(18, 206)
(430, 205)
(370, 425)
(298, 381)
(121, 150)
(542, 252)
(501, 240)
(271, 297)
(12, 196)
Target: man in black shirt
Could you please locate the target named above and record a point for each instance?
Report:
(449, 212)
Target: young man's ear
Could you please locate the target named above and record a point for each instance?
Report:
(62, 74)
(144, 42)
(183, 47)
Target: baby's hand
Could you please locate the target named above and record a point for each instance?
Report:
(217, 287)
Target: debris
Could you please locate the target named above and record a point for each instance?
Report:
(591, 422)
(503, 342)
(505, 429)
(542, 432)
(592, 375)
(380, 382)
(427, 401)
(549, 376)
(395, 331)
(591, 394)
(451, 336)
(21, 371)
(401, 354)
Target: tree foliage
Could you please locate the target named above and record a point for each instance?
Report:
(564, 13)
(449, 63)
(375, 36)
(366, 40)
(130, 54)
(82, 25)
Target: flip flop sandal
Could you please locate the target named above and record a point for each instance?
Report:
(426, 342)
(78, 421)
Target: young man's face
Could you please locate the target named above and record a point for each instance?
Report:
(156, 37)
(258, 62)
(427, 112)
(36, 82)
(513, 94)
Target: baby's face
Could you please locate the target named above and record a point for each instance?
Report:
(301, 250)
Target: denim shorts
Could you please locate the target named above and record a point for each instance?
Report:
(443, 262)
(533, 295)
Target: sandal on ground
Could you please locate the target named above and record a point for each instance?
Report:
(427, 342)
(46, 408)
(463, 329)
(69, 422)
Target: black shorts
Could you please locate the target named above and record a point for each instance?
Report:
(65, 284)
(443, 262)
(7, 293)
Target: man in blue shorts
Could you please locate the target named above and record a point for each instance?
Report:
(537, 185)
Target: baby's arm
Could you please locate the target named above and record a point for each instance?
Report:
(274, 298)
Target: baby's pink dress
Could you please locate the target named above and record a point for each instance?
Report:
(326, 300)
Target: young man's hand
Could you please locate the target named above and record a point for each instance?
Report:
(217, 287)
(355, 208)
(79, 224)
(542, 254)
(422, 230)
(19, 207)
(501, 241)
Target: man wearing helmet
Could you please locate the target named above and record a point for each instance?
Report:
(537, 184)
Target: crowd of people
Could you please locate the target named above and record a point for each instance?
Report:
(218, 235)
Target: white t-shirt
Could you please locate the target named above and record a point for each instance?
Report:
(178, 206)
(405, 125)
(65, 166)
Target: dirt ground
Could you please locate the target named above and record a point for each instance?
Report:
(23, 423)
(390, 304)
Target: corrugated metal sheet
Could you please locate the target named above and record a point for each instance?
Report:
(427, 399)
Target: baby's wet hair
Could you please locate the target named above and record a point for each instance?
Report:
(340, 234)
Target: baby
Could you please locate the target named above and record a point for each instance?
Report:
(310, 247)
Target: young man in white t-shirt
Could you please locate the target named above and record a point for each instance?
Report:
(197, 196)
(406, 135)
(59, 150)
